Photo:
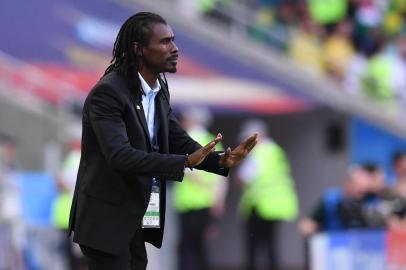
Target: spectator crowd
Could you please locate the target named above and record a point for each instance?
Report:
(361, 44)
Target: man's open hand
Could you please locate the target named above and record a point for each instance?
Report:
(198, 156)
(232, 158)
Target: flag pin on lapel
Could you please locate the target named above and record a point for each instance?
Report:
(138, 107)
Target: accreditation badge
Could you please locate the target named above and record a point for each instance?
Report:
(151, 216)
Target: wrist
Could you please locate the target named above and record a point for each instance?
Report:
(221, 160)
(187, 162)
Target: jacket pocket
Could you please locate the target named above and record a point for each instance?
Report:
(106, 194)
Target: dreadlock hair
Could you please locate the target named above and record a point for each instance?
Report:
(137, 29)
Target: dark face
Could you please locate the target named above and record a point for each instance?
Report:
(161, 53)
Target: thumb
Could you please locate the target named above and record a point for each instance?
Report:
(228, 152)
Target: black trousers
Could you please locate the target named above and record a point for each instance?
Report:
(192, 246)
(134, 258)
(261, 233)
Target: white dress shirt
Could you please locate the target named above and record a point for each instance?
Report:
(148, 103)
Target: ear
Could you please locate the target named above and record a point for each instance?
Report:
(137, 49)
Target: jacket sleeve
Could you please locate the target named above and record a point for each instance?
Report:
(105, 110)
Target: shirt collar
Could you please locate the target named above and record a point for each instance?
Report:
(147, 89)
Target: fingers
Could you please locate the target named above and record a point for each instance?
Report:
(250, 142)
(225, 157)
(245, 147)
(208, 149)
(232, 158)
(227, 153)
(252, 139)
(199, 155)
(252, 146)
(211, 146)
(218, 138)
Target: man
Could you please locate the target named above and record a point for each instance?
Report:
(397, 193)
(339, 208)
(132, 144)
(377, 202)
(199, 199)
(399, 168)
(269, 196)
(65, 181)
(11, 216)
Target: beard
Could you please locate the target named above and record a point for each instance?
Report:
(172, 70)
(171, 66)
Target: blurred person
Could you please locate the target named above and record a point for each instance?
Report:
(384, 79)
(376, 179)
(397, 190)
(285, 14)
(286, 11)
(381, 204)
(350, 211)
(367, 20)
(328, 12)
(263, 22)
(399, 69)
(131, 145)
(339, 208)
(215, 9)
(352, 9)
(268, 197)
(369, 13)
(305, 46)
(394, 17)
(272, 24)
(352, 77)
(199, 199)
(393, 23)
(375, 207)
(364, 38)
(12, 229)
(399, 168)
(353, 81)
(61, 206)
(338, 50)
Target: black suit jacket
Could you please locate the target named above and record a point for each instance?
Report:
(117, 165)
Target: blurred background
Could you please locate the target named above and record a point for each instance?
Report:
(324, 81)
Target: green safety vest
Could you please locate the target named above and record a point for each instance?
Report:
(62, 204)
(376, 80)
(61, 209)
(327, 11)
(272, 193)
(192, 195)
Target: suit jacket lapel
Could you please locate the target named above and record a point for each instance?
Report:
(161, 123)
(139, 110)
(141, 116)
